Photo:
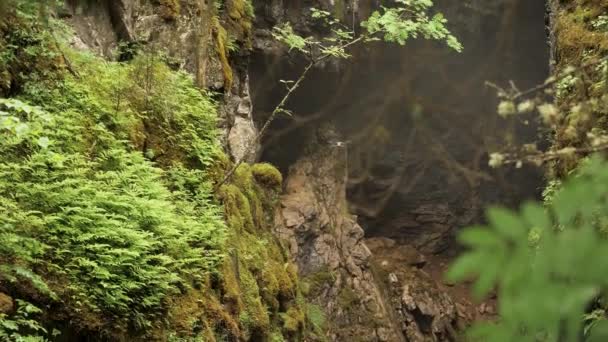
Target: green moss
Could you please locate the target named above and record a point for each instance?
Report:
(347, 298)
(240, 10)
(264, 282)
(231, 288)
(294, 320)
(267, 175)
(578, 41)
(249, 200)
(243, 177)
(315, 282)
(256, 311)
(239, 19)
(220, 36)
(236, 207)
(231, 32)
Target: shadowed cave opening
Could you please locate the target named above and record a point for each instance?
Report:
(419, 121)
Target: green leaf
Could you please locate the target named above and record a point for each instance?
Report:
(465, 266)
(599, 331)
(507, 223)
(536, 216)
(43, 142)
(479, 236)
(9, 325)
(21, 129)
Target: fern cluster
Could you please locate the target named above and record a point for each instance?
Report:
(105, 202)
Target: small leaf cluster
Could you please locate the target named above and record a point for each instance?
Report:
(409, 19)
(23, 320)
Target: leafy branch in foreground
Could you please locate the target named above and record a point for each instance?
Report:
(405, 20)
(547, 263)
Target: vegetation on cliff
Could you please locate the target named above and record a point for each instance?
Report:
(122, 219)
(406, 20)
(109, 225)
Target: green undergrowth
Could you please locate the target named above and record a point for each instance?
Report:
(260, 285)
(581, 37)
(104, 196)
(109, 224)
(27, 51)
(232, 25)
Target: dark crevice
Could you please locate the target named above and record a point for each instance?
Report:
(418, 120)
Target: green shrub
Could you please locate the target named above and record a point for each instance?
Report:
(27, 51)
(86, 213)
(24, 319)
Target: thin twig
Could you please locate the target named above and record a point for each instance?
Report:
(543, 157)
(280, 108)
(554, 80)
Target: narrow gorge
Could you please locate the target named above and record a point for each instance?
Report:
(154, 187)
(388, 152)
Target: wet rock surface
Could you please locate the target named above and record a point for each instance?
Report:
(374, 289)
(426, 307)
(327, 244)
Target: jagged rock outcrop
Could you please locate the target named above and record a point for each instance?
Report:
(327, 245)
(386, 296)
(425, 309)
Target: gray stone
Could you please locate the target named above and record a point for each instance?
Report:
(314, 220)
(240, 138)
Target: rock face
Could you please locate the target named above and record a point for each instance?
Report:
(326, 243)
(190, 38)
(385, 296)
(425, 309)
(237, 110)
